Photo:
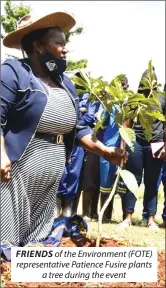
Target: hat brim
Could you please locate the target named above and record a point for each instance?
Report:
(60, 19)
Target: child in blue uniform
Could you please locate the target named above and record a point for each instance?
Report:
(69, 183)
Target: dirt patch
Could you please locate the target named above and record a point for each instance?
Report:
(67, 242)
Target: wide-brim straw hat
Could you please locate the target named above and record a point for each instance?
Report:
(29, 23)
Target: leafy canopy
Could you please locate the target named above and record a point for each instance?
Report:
(13, 13)
(131, 106)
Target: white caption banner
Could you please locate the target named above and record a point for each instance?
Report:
(86, 264)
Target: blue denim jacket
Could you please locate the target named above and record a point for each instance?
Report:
(23, 99)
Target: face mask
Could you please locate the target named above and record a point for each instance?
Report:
(52, 65)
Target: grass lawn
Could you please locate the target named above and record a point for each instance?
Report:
(134, 235)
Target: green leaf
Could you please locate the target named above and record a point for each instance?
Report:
(119, 77)
(161, 93)
(108, 104)
(136, 98)
(146, 123)
(159, 85)
(91, 98)
(112, 91)
(150, 102)
(99, 124)
(80, 82)
(118, 118)
(146, 83)
(81, 91)
(128, 113)
(128, 136)
(156, 114)
(156, 98)
(119, 87)
(129, 180)
(150, 72)
(85, 77)
(97, 90)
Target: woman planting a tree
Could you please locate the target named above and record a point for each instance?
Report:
(39, 110)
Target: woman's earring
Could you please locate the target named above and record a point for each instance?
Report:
(39, 51)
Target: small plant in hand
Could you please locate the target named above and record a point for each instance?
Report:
(128, 106)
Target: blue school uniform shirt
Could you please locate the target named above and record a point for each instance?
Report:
(88, 117)
(111, 138)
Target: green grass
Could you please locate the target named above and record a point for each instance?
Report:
(134, 235)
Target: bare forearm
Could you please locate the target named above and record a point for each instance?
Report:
(92, 144)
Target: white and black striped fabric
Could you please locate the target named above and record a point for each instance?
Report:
(28, 201)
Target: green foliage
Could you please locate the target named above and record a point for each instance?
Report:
(128, 136)
(13, 13)
(73, 65)
(127, 104)
(99, 124)
(76, 65)
(77, 31)
(129, 180)
(146, 123)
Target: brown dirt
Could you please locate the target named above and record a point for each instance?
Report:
(67, 242)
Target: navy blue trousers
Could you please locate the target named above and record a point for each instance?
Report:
(68, 186)
(139, 160)
(162, 178)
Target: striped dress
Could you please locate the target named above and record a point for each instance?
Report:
(28, 201)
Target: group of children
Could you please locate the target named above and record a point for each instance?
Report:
(95, 176)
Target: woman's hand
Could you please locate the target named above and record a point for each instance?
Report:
(5, 167)
(115, 155)
(111, 154)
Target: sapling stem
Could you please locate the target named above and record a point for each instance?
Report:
(122, 146)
